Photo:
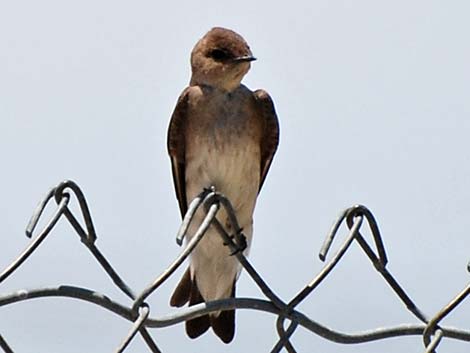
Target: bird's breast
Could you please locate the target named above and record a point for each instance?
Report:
(225, 154)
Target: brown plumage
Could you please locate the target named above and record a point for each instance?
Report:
(224, 135)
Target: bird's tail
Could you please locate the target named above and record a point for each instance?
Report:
(223, 323)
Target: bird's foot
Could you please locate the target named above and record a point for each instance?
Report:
(240, 241)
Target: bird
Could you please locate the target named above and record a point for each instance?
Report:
(222, 136)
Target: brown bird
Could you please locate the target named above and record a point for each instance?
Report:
(221, 135)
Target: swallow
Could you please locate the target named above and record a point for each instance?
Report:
(221, 135)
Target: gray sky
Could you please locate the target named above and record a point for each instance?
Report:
(373, 102)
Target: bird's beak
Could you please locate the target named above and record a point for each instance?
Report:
(245, 58)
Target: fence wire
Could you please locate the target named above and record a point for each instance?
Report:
(288, 318)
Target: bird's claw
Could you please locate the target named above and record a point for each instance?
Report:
(240, 241)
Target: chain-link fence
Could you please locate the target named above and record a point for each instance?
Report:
(288, 318)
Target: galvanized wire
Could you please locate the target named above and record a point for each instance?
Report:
(285, 312)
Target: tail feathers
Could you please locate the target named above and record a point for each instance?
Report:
(196, 327)
(182, 291)
(222, 324)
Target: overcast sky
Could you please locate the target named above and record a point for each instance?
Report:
(374, 108)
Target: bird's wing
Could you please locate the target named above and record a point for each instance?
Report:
(270, 138)
(176, 148)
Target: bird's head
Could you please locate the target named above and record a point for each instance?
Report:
(220, 59)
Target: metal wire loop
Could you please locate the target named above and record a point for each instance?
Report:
(288, 317)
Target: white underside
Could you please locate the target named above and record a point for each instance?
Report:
(233, 171)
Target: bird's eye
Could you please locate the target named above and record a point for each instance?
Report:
(219, 54)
